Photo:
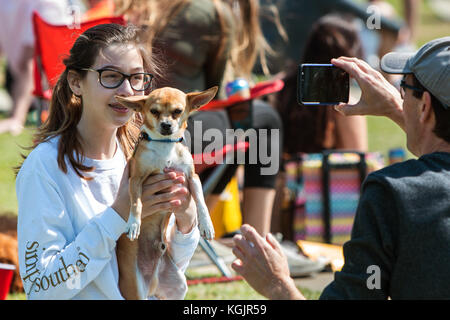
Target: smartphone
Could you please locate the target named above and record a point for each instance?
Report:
(322, 84)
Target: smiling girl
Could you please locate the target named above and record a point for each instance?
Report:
(72, 189)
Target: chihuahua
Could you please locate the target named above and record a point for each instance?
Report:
(144, 265)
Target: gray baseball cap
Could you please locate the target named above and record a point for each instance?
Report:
(430, 64)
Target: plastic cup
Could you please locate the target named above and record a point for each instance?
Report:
(6, 275)
(396, 155)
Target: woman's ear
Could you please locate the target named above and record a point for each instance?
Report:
(74, 80)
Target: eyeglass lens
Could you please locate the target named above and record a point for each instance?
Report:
(113, 79)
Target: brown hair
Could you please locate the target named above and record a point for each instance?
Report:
(249, 42)
(331, 37)
(66, 108)
(154, 14)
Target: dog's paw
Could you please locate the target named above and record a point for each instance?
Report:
(206, 228)
(133, 228)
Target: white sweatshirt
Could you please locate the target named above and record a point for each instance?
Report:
(67, 231)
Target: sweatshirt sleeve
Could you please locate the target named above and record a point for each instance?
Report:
(182, 246)
(56, 262)
(172, 278)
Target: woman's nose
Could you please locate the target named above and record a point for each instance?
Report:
(125, 89)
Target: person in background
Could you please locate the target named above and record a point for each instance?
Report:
(17, 46)
(97, 9)
(298, 16)
(320, 128)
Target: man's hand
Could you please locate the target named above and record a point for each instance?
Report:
(263, 265)
(378, 98)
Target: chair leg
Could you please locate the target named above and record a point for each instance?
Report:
(213, 179)
(43, 109)
(208, 187)
(215, 258)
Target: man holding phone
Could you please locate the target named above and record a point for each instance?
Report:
(400, 245)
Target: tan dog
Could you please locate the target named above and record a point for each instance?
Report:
(144, 265)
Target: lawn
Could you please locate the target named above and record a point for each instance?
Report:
(10, 157)
(238, 290)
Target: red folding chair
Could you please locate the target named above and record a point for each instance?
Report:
(260, 89)
(52, 44)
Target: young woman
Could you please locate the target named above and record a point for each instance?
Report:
(72, 188)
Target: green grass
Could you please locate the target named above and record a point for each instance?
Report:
(384, 135)
(11, 148)
(430, 26)
(16, 296)
(234, 290)
(223, 291)
(213, 291)
(219, 291)
(216, 291)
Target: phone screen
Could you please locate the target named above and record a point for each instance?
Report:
(322, 84)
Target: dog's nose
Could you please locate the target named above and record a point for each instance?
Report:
(166, 126)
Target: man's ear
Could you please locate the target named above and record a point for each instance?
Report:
(133, 102)
(195, 100)
(74, 80)
(426, 109)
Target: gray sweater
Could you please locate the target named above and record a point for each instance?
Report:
(400, 244)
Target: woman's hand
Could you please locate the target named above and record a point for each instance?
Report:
(263, 265)
(162, 192)
(185, 210)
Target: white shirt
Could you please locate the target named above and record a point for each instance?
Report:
(67, 231)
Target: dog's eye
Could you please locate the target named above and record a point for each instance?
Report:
(154, 112)
(176, 111)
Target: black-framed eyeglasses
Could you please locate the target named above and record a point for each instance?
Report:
(111, 79)
(404, 85)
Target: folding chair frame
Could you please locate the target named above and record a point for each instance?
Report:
(208, 186)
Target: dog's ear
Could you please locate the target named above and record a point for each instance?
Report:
(195, 100)
(133, 102)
